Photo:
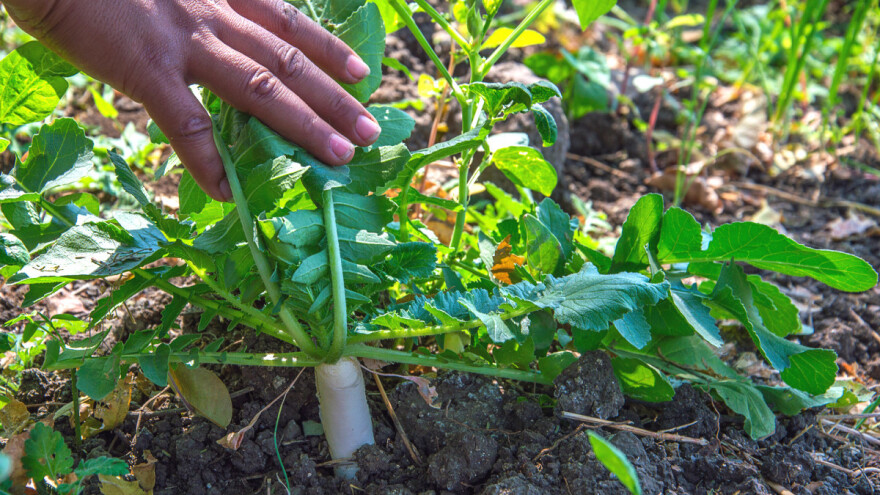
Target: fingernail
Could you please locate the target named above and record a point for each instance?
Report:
(225, 190)
(341, 147)
(357, 68)
(367, 129)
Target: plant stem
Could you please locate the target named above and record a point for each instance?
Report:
(430, 331)
(262, 323)
(365, 351)
(337, 280)
(403, 11)
(77, 427)
(443, 23)
(484, 68)
(296, 331)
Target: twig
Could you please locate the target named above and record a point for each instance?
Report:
(672, 437)
(852, 472)
(596, 163)
(846, 429)
(233, 440)
(413, 453)
(551, 448)
(781, 490)
(822, 203)
(849, 416)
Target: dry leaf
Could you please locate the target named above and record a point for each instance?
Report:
(203, 392)
(110, 412)
(115, 485)
(428, 393)
(504, 262)
(145, 473)
(699, 192)
(767, 215)
(443, 229)
(15, 451)
(64, 302)
(854, 225)
(14, 417)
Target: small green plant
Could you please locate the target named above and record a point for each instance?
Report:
(49, 464)
(313, 256)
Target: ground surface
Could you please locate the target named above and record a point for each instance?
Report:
(492, 437)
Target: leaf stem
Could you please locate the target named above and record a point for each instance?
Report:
(505, 45)
(77, 426)
(443, 23)
(408, 333)
(296, 331)
(337, 280)
(403, 11)
(378, 353)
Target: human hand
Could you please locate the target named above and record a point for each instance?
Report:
(261, 56)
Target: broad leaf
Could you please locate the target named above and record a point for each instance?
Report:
(267, 182)
(634, 328)
(12, 251)
(59, 155)
(544, 252)
(410, 260)
(364, 32)
(396, 125)
(204, 392)
(641, 229)
(419, 159)
(98, 376)
(33, 84)
(546, 124)
(744, 399)
(526, 167)
(46, 455)
(97, 249)
(642, 381)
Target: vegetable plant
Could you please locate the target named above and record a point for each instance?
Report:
(335, 263)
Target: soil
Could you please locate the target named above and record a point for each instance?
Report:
(496, 437)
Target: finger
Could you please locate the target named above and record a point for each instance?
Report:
(188, 127)
(285, 21)
(252, 88)
(311, 84)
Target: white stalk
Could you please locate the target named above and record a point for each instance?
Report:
(344, 411)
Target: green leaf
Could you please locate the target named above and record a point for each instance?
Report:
(777, 311)
(97, 377)
(553, 364)
(371, 213)
(559, 223)
(680, 236)
(267, 182)
(221, 237)
(614, 460)
(364, 32)
(419, 159)
(634, 328)
(155, 364)
(410, 260)
(396, 125)
(413, 196)
(97, 249)
(642, 381)
(589, 300)
(546, 124)
(543, 250)
(495, 326)
(46, 455)
(59, 155)
(12, 251)
(765, 248)
(371, 171)
(682, 314)
(641, 228)
(590, 10)
(361, 246)
(33, 84)
(745, 400)
(109, 466)
(810, 370)
(105, 305)
(4, 143)
(156, 134)
(526, 167)
(129, 180)
(790, 402)
(514, 353)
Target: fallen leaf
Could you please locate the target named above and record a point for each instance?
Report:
(699, 192)
(428, 393)
(145, 473)
(767, 215)
(504, 262)
(203, 392)
(14, 417)
(14, 450)
(64, 302)
(854, 225)
(115, 485)
(110, 412)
